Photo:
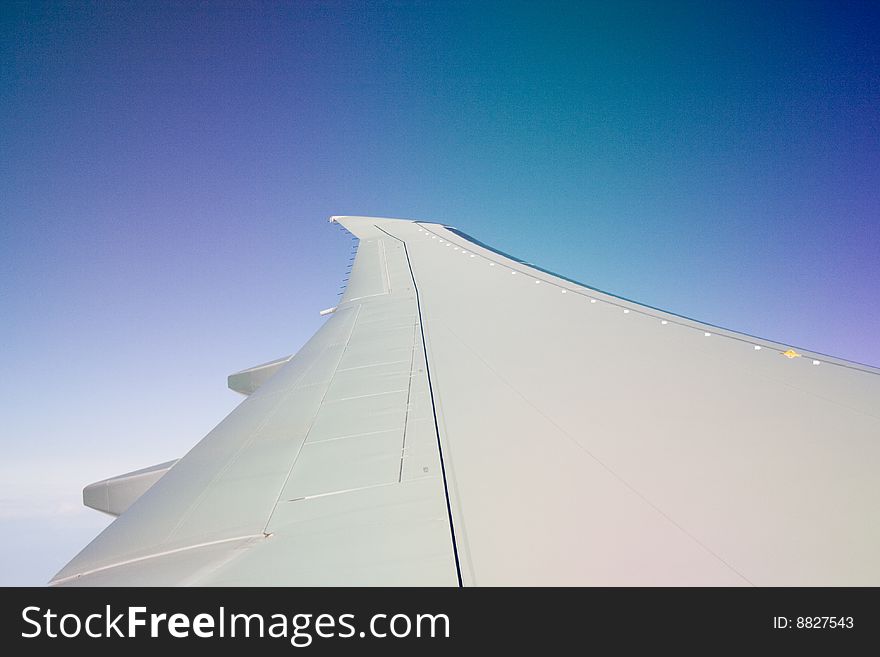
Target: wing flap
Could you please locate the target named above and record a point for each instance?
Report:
(332, 421)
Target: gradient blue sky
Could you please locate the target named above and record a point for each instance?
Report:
(166, 171)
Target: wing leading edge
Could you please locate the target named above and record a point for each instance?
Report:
(465, 418)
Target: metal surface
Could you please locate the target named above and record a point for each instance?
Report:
(113, 496)
(247, 381)
(465, 418)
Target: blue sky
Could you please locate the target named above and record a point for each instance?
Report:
(167, 169)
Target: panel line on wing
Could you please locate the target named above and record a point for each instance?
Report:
(312, 424)
(433, 409)
(408, 397)
(156, 555)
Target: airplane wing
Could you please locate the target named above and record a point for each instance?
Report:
(465, 418)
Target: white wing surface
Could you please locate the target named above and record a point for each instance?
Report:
(464, 418)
